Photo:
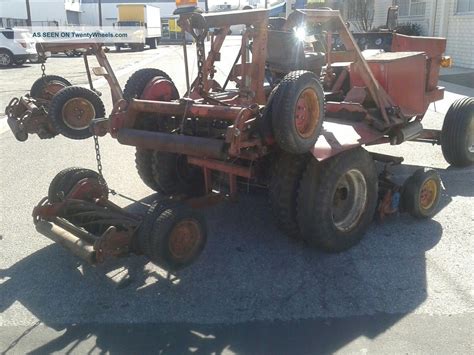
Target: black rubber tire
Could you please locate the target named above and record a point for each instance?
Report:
(57, 103)
(39, 85)
(457, 133)
(9, 57)
(144, 157)
(65, 180)
(172, 178)
(287, 171)
(411, 193)
(145, 230)
(137, 47)
(283, 108)
(138, 81)
(159, 252)
(151, 42)
(316, 196)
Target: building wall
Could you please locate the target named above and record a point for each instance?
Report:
(440, 20)
(458, 29)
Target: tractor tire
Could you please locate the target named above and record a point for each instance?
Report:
(421, 193)
(174, 176)
(65, 180)
(72, 109)
(143, 243)
(298, 112)
(337, 200)
(177, 238)
(457, 134)
(138, 81)
(6, 58)
(38, 88)
(285, 180)
(144, 157)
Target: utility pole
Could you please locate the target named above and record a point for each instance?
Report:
(100, 13)
(28, 13)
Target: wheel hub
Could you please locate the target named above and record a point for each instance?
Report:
(349, 200)
(4, 59)
(78, 113)
(428, 193)
(307, 113)
(184, 239)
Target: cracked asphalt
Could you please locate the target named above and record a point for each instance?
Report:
(407, 287)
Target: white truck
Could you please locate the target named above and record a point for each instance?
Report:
(145, 21)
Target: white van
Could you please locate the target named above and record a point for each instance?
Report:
(16, 47)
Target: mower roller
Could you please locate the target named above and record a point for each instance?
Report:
(293, 116)
(54, 106)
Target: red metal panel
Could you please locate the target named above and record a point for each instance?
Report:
(402, 75)
(337, 137)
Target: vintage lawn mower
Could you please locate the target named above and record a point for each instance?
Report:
(295, 122)
(54, 106)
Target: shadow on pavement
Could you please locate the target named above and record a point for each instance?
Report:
(252, 290)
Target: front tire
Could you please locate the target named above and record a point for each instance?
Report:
(285, 180)
(457, 134)
(6, 58)
(337, 200)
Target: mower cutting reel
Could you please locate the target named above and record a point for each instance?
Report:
(54, 106)
(78, 215)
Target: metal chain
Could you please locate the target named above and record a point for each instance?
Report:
(43, 69)
(201, 57)
(98, 157)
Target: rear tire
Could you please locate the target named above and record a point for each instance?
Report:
(72, 109)
(457, 134)
(283, 191)
(298, 112)
(337, 200)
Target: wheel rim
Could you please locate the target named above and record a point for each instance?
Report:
(307, 113)
(78, 113)
(428, 194)
(349, 200)
(184, 239)
(4, 59)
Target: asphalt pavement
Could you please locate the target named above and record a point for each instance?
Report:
(406, 288)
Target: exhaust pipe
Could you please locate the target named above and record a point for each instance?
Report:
(68, 240)
(172, 143)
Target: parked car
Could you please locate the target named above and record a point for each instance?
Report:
(16, 47)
